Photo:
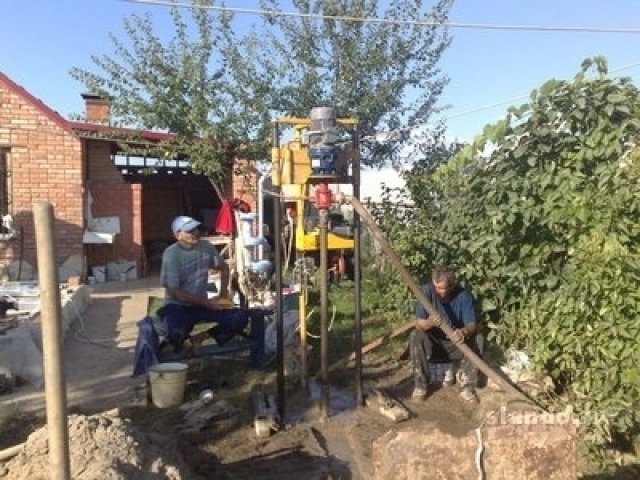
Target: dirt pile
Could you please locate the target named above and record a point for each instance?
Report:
(102, 446)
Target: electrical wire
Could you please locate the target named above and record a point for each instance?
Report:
(98, 342)
(390, 134)
(83, 337)
(389, 21)
(329, 328)
(288, 248)
(479, 452)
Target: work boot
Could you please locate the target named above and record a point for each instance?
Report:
(419, 394)
(468, 394)
(420, 389)
(449, 376)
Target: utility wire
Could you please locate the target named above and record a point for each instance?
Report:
(390, 21)
(391, 134)
(520, 97)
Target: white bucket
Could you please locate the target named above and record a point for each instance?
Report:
(167, 381)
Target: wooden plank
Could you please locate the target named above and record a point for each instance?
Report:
(374, 344)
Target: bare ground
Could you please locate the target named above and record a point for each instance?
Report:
(308, 445)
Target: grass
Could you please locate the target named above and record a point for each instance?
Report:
(342, 328)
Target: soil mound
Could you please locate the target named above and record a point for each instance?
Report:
(103, 447)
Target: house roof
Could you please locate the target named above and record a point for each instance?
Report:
(80, 127)
(51, 114)
(149, 135)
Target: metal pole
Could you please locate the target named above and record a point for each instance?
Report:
(277, 234)
(302, 297)
(52, 337)
(324, 311)
(302, 318)
(357, 273)
(417, 291)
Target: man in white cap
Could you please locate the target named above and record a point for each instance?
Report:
(184, 274)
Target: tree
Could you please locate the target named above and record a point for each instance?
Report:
(409, 225)
(384, 74)
(179, 87)
(541, 216)
(227, 87)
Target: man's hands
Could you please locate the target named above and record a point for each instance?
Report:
(462, 334)
(220, 303)
(459, 335)
(428, 323)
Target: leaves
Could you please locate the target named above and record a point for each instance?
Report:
(225, 84)
(543, 226)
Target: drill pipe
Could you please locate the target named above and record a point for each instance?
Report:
(417, 291)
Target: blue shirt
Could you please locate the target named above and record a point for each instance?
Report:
(458, 310)
(188, 268)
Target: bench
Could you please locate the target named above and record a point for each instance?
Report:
(251, 341)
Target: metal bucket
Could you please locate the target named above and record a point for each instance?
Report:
(167, 381)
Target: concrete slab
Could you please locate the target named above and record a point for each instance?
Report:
(98, 350)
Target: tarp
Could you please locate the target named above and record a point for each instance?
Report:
(147, 348)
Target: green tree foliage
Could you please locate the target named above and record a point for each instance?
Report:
(383, 74)
(541, 216)
(408, 225)
(180, 86)
(225, 84)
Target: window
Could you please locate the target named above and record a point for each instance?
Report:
(6, 221)
(5, 184)
(132, 164)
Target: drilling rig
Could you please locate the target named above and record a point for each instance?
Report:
(324, 151)
(314, 158)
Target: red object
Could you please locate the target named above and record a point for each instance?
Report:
(323, 197)
(241, 205)
(224, 223)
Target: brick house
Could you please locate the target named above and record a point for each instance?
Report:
(47, 158)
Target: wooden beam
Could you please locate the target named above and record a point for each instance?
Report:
(374, 344)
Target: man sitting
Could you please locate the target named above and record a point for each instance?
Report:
(427, 342)
(184, 274)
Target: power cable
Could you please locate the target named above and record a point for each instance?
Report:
(389, 21)
(391, 134)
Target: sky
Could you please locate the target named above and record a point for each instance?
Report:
(41, 40)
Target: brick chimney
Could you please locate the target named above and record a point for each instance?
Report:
(97, 108)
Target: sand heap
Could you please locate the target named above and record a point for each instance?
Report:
(104, 447)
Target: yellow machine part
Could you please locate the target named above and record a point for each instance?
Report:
(310, 241)
(295, 164)
(293, 175)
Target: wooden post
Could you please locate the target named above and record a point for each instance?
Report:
(52, 338)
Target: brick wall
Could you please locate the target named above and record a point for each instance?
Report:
(46, 166)
(125, 202)
(97, 108)
(49, 163)
(100, 167)
(244, 184)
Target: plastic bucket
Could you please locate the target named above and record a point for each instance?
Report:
(167, 381)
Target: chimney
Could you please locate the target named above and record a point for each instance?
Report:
(97, 108)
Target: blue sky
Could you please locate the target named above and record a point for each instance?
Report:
(40, 40)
